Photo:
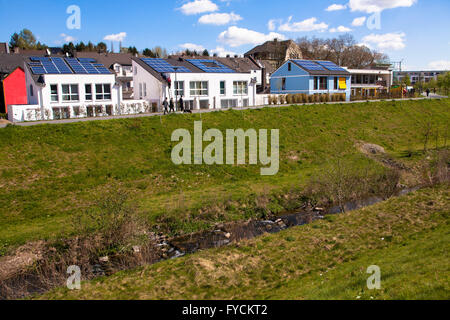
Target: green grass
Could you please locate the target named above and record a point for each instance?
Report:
(50, 172)
(407, 237)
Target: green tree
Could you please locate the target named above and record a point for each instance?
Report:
(205, 53)
(133, 50)
(80, 47)
(25, 39)
(69, 48)
(407, 80)
(102, 47)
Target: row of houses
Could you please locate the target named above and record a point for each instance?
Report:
(53, 86)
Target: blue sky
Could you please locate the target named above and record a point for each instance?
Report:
(414, 30)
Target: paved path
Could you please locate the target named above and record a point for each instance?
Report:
(27, 124)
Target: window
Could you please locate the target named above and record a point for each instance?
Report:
(283, 84)
(336, 83)
(228, 103)
(70, 92)
(289, 66)
(31, 90)
(223, 90)
(135, 70)
(323, 83)
(316, 83)
(199, 88)
(204, 104)
(240, 87)
(54, 93)
(61, 113)
(140, 90)
(179, 88)
(88, 92)
(145, 89)
(103, 91)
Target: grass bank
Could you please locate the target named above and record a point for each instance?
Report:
(50, 172)
(406, 237)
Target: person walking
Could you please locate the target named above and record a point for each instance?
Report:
(171, 106)
(181, 103)
(166, 105)
(428, 93)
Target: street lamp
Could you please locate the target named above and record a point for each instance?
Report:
(175, 88)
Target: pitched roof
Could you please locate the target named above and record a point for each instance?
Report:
(271, 47)
(9, 63)
(240, 65)
(108, 59)
(324, 72)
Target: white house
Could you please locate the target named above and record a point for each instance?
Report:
(62, 88)
(369, 82)
(203, 83)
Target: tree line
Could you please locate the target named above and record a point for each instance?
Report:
(344, 51)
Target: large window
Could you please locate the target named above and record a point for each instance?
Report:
(228, 103)
(179, 88)
(88, 92)
(70, 92)
(103, 91)
(54, 93)
(223, 90)
(323, 84)
(240, 87)
(199, 88)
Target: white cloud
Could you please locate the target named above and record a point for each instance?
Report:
(219, 19)
(336, 7)
(116, 37)
(198, 6)
(67, 38)
(358, 22)
(235, 37)
(340, 29)
(439, 65)
(303, 26)
(222, 52)
(388, 41)
(371, 6)
(192, 47)
(272, 25)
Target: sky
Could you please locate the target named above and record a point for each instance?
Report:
(413, 31)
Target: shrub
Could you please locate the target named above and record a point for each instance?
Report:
(4, 116)
(304, 98)
(316, 98)
(281, 99)
(290, 99)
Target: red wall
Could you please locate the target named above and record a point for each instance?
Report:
(15, 88)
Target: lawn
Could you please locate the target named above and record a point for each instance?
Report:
(407, 237)
(50, 172)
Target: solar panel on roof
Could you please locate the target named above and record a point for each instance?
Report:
(210, 66)
(330, 66)
(38, 70)
(309, 65)
(162, 66)
(62, 66)
(89, 60)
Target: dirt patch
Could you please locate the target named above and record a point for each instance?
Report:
(24, 257)
(378, 153)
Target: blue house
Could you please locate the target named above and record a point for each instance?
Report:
(310, 77)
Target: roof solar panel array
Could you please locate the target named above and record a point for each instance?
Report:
(56, 65)
(162, 66)
(330, 66)
(210, 66)
(309, 65)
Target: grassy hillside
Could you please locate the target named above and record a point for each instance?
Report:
(406, 237)
(50, 172)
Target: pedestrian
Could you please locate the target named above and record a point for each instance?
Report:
(181, 102)
(428, 93)
(166, 105)
(171, 106)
